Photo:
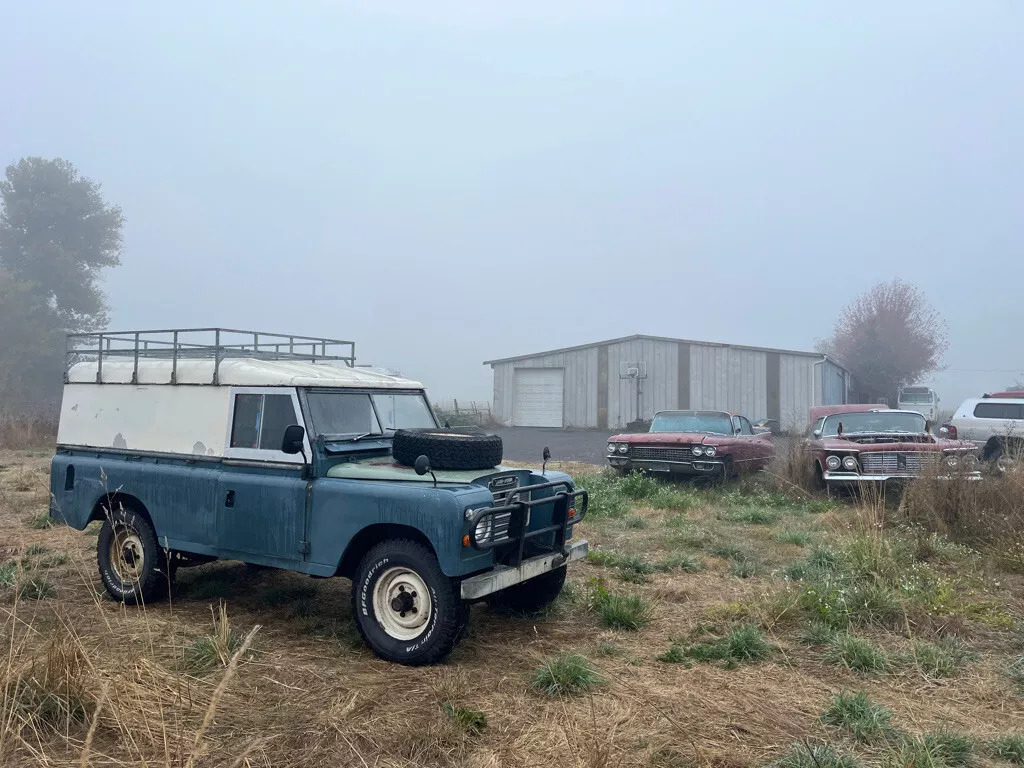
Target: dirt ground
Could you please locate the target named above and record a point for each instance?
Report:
(113, 685)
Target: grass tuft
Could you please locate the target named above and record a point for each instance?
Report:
(744, 644)
(1009, 747)
(566, 675)
(213, 650)
(40, 522)
(619, 611)
(952, 748)
(856, 654)
(863, 719)
(818, 756)
(750, 515)
(36, 549)
(37, 589)
(797, 538)
(472, 721)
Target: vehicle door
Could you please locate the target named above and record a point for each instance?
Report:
(762, 448)
(262, 491)
(747, 444)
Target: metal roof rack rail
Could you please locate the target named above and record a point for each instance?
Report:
(214, 344)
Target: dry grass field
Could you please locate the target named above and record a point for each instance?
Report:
(735, 627)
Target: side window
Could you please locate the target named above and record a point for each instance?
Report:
(745, 427)
(260, 420)
(1001, 411)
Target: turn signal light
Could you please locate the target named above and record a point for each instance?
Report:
(572, 511)
(465, 540)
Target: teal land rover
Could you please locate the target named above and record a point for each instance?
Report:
(191, 445)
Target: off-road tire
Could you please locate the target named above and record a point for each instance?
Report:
(154, 579)
(449, 612)
(529, 596)
(447, 448)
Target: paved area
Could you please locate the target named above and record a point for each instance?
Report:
(527, 444)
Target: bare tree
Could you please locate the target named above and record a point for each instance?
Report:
(888, 338)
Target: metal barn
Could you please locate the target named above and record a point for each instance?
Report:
(608, 384)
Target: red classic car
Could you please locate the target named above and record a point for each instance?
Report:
(709, 443)
(850, 444)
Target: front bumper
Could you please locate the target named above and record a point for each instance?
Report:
(504, 576)
(695, 467)
(852, 478)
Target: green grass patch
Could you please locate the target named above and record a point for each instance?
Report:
(856, 654)
(939, 660)
(745, 644)
(36, 549)
(8, 573)
(36, 589)
(633, 568)
(1009, 747)
(40, 522)
(620, 611)
(472, 721)
(681, 562)
(750, 515)
(728, 551)
(93, 528)
(634, 522)
(745, 568)
(796, 538)
(1015, 671)
(952, 748)
(607, 649)
(211, 651)
(818, 633)
(818, 756)
(865, 721)
(566, 675)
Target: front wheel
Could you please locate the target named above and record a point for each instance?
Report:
(529, 596)
(404, 606)
(132, 565)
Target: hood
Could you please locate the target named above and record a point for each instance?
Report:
(886, 441)
(385, 468)
(668, 438)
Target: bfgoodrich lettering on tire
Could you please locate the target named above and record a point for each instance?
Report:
(132, 565)
(404, 606)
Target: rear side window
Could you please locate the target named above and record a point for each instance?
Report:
(1001, 411)
(260, 421)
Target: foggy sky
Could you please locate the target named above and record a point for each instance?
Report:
(453, 181)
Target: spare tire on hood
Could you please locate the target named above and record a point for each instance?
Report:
(447, 448)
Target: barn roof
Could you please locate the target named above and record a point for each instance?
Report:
(645, 337)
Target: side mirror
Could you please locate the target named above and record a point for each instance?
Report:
(816, 434)
(293, 438)
(546, 455)
(422, 467)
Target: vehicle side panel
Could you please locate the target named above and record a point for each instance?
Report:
(341, 508)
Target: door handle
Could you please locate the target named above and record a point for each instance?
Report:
(229, 500)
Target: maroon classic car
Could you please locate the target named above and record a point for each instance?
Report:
(709, 443)
(850, 444)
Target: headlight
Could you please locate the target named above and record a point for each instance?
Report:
(833, 462)
(484, 530)
(710, 450)
(953, 461)
(698, 450)
(611, 447)
(970, 459)
(850, 463)
(623, 448)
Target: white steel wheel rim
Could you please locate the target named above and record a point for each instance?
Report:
(127, 556)
(401, 603)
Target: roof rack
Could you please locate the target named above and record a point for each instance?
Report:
(215, 344)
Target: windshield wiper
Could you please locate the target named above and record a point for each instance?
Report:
(350, 438)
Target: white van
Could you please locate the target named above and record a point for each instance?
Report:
(920, 399)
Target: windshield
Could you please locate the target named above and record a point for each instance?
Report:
(693, 421)
(917, 398)
(355, 414)
(879, 421)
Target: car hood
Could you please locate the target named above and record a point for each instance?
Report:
(669, 438)
(867, 443)
(385, 468)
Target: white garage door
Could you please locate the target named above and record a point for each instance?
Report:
(538, 397)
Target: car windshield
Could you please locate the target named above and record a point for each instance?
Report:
(693, 421)
(916, 398)
(875, 421)
(349, 415)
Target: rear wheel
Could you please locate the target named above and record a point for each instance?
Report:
(529, 596)
(404, 606)
(132, 565)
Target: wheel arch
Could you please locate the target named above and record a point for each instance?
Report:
(372, 535)
(113, 500)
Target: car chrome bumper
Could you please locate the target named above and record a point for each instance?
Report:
(696, 467)
(849, 478)
(504, 576)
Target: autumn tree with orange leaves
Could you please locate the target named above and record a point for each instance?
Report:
(887, 338)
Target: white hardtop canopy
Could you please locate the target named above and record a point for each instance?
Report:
(238, 372)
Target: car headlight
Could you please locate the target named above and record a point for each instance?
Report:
(833, 462)
(611, 447)
(484, 530)
(850, 463)
(623, 448)
(698, 450)
(953, 461)
(970, 459)
(710, 450)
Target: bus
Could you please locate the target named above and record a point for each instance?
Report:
(920, 399)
